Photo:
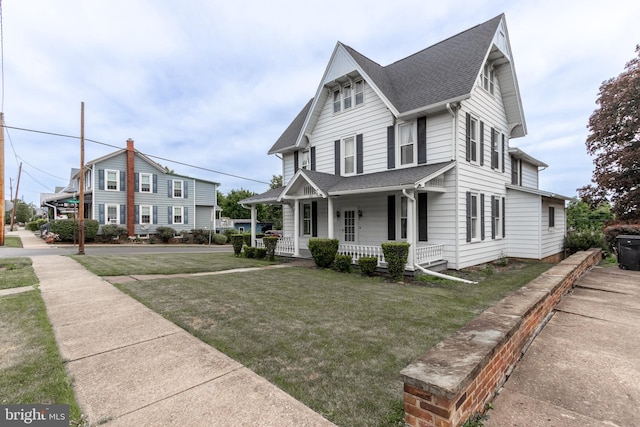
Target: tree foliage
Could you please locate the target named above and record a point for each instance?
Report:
(273, 213)
(231, 207)
(23, 211)
(614, 141)
(582, 217)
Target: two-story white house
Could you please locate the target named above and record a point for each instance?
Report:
(418, 151)
(128, 188)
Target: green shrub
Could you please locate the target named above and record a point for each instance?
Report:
(612, 231)
(91, 227)
(250, 251)
(323, 251)
(237, 242)
(35, 225)
(219, 239)
(368, 265)
(112, 232)
(270, 243)
(342, 263)
(165, 233)
(396, 254)
(247, 238)
(197, 236)
(582, 240)
(261, 253)
(228, 233)
(66, 229)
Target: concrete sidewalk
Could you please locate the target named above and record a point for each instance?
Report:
(583, 370)
(130, 366)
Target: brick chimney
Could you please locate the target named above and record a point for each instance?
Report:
(131, 183)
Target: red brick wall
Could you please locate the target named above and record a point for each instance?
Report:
(427, 404)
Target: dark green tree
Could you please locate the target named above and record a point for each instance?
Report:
(233, 209)
(614, 141)
(273, 213)
(582, 217)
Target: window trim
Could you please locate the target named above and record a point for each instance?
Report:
(150, 207)
(173, 215)
(88, 174)
(106, 180)
(173, 190)
(474, 149)
(337, 101)
(106, 213)
(496, 217)
(347, 95)
(475, 229)
(150, 182)
(305, 162)
(400, 145)
(353, 156)
(307, 221)
(488, 79)
(360, 93)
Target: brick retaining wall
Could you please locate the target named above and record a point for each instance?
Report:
(456, 378)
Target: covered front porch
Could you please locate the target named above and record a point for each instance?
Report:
(362, 213)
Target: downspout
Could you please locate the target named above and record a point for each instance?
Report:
(454, 157)
(55, 210)
(444, 276)
(412, 232)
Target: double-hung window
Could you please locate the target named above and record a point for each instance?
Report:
(306, 162)
(488, 78)
(145, 183)
(336, 101)
(496, 217)
(177, 189)
(515, 171)
(306, 219)
(475, 216)
(407, 144)
(113, 216)
(495, 157)
(178, 212)
(473, 134)
(359, 92)
(113, 180)
(349, 166)
(346, 97)
(145, 215)
(87, 180)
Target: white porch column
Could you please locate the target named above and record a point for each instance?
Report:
(411, 226)
(330, 217)
(296, 228)
(254, 224)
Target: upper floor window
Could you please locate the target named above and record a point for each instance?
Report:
(346, 97)
(336, 101)
(145, 183)
(87, 180)
(349, 160)
(472, 139)
(359, 92)
(113, 180)
(306, 162)
(495, 150)
(177, 188)
(407, 144)
(515, 171)
(488, 78)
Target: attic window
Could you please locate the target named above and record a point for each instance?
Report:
(359, 92)
(336, 101)
(346, 97)
(488, 78)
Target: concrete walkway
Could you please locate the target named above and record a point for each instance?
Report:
(130, 366)
(583, 370)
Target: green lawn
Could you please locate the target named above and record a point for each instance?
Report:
(122, 265)
(12, 242)
(31, 370)
(16, 272)
(337, 342)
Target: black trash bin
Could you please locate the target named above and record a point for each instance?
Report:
(628, 252)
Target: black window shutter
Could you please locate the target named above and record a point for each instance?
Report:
(359, 153)
(314, 219)
(504, 218)
(481, 143)
(503, 150)
(494, 214)
(123, 214)
(482, 216)
(123, 181)
(101, 179)
(391, 147)
(155, 183)
(520, 174)
(137, 214)
(422, 217)
(336, 154)
(422, 140)
(391, 217)
(468, 138)
(313, 158)
(295, 161)
(468, 216)
(136, 178)
(101, 213)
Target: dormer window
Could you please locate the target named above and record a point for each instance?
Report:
(336, 101)
(346, 97)
(306, 163)
(360, 92)
(488, 78)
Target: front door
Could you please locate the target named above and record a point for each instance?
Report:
(350, 226)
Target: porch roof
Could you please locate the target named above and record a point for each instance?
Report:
(334, 185)
(538, 192)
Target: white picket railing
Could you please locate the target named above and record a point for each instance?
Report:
(359, 251)
(284, 246)
(428, 254)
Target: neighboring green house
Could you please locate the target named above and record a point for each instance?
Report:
(129, 189)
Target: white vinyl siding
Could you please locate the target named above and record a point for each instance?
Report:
(529, 175)
(552, 237)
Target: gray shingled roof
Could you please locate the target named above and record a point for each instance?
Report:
(333, 184)
(444, 71)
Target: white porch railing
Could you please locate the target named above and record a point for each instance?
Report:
(359, 251)
(429, 254)
(284, 246)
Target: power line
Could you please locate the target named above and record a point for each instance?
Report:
(148, 155)
(2, 56)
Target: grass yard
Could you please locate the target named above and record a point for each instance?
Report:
(16, 272)
(12, 242)
(122, 265)
(336, 342)
(31, 370)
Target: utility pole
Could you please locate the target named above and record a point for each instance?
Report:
(2, 178)
(81, 185)
(15, 202)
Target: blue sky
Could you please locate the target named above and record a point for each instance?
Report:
(214, 84)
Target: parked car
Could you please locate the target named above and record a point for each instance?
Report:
(277, 233)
